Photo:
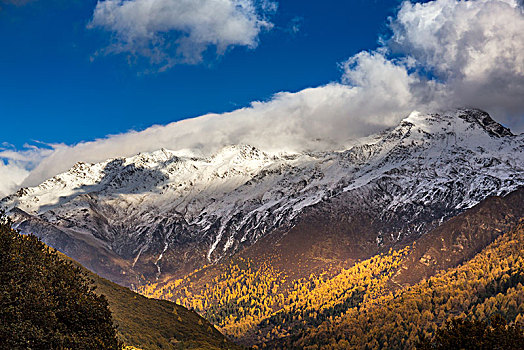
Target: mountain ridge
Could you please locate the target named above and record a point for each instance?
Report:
(165, 213)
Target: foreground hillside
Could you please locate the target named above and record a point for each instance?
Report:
(260, 302)
(48, 302)
(158, 324)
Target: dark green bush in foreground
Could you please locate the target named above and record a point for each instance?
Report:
(46, 302)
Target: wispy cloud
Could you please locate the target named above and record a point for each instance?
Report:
(15, 164)
(295, 25)
(12, 176)
(167, 32)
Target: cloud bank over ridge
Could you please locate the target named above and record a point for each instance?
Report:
(441, 54)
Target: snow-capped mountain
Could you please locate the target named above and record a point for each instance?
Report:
(167, 212)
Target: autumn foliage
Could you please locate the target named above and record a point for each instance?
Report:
(359, 307)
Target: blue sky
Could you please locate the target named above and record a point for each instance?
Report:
(52, 91)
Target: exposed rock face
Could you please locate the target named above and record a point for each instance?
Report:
(166, 213)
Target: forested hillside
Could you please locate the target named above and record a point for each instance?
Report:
(491, 283)
(387, 301)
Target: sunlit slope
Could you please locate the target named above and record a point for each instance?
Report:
(259, 299)
(490, 283)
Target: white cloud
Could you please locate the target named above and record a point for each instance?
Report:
(447, 53)
(375, 94)
(380, 82)
(15, 165)
(173, 31)
(11, 177)
(475, 49)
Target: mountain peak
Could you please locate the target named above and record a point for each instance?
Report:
(472, 118)
(484, 120)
